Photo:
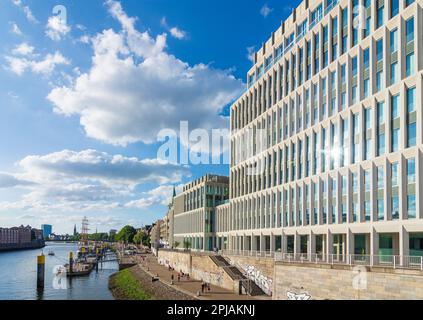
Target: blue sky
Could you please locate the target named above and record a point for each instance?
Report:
(84, 95)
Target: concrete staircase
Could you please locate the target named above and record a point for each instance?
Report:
(235, 274)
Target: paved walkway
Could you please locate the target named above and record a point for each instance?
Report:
(191, 287)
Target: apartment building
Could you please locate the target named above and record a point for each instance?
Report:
(193, 216)
(326, 142)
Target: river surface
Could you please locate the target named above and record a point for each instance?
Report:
(18, 276)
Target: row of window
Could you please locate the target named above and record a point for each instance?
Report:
(349, 21)
(328, 148)
(362, 196)
(278, 84)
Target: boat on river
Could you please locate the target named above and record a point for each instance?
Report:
(79, 269)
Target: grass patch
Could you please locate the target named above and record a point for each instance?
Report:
(126, 287)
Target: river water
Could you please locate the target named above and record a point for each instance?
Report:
(18, 276)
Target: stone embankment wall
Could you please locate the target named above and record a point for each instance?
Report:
(322, 282)
(199, 267)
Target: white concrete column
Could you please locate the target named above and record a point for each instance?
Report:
(374, 243)
(329, 242)
(404, 244)
(297, 243)
(311, 248)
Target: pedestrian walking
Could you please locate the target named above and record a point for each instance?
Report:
(208, 287)
(202, 287)
(179, 277)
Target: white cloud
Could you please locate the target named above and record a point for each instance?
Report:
(158, 196)
(15, 29)
(10, 181)
(251, 54)
(135, 88)
(57, 28)
(24, 49)
(174, 31)
(88, 180)
(84, 39)
(45, 66)
(177, 33)
(265, 10)
(26, 10)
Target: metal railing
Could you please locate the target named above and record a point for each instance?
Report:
(387, 261)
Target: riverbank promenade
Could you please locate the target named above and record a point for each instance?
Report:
(149, 264)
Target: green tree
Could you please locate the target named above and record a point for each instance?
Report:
(142, 238)
(187, 244)
(126, 234)
(176, 244)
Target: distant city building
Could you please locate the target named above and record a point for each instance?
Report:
(112, 232)
(155, 234)
(75, 232)
(194, 212)
(47, 230)
(19, 235)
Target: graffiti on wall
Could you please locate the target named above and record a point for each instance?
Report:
(265, 283)
(215, 278)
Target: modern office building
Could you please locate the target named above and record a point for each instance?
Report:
(327, 140)
(47, 230)
(193, 212)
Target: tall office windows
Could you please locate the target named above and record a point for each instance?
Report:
(380, 193)
(367, 29)
(334, 38)
(316, 53)
(380, 83)
(355, 204)
(366, 75)
(411, 117)
(395, 123)
(356, 12)
(324, 98)
(380, 7)
(409, 48)
(343, 86)
(344, 46)
(325, 47)
(394, 8)
(344, 141)
(333, 201)
(344, 198)
(356, 138)
(367, 191)
(394, 55)
(354, 90)
(395, 179)
(380, 128)
(368, 134)
(411, 188)
(333, 81)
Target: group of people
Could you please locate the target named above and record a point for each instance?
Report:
(205, 286)
(181, 275)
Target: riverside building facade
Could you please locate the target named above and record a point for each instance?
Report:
(193, 212)
(336, 93)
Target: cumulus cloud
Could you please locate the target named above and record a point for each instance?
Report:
(57, 28)
(135, 88)
(178, 33)
(161, 195)
(23, 49)
(15, 29)
(265, 10)
(251, 54)
(92, 164)
(44, 66)
(88, 180)
(10, 181)
(26, 10)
